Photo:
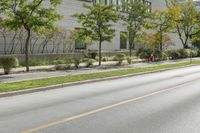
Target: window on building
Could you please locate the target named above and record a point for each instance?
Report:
(123, 40)
(79, 45)
(149, 5)
(120, 3)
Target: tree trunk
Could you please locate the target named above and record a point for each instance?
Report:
(186, 47)
(100, 53)
(161, 41)
(130, 50)
(130, 45)
(183, 41)
(186, 43)
(131, 42)
(5, 41)
(27, 49)
(161, 47)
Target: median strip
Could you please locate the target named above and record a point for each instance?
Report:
(23, 85)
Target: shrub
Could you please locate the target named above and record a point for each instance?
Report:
(84, 59)
(56, 62)
(119, 58)
(90, 62)
(184, 53)
(85, 53)
(181, 53)
(129, 60)
(97, 58)
(76, 62)
(104, 59)
(173, 54)
(198, 53)
(164, 56)
(147, 53)
(144, 53)
(35, 63)
(159, 55)
(8, 62)
(62, 67)
(114, 58)
(109, 58)
(92, 54)
(194, 53)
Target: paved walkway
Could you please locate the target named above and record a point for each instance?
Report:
(46, 74)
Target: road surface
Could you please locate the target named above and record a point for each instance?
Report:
(165, 102)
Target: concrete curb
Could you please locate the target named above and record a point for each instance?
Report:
(27, 91)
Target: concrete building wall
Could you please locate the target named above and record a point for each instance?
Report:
(70, 7)
(161, 5)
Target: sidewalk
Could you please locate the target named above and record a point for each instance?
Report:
(42, 68)
(105, 67)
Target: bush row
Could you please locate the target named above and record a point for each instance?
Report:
(9, 62)
(170, 54)
(75, 63)
(87, 60)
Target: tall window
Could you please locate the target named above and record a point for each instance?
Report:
(149, 5)
(123, 40)
(120, 3)
(78, 43)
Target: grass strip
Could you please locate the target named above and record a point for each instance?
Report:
(6, 87)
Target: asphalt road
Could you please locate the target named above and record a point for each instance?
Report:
(166, 102)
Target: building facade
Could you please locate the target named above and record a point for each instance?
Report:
(14, 43)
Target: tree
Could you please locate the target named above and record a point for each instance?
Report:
(9, 38)
(196, 41)
(97, 23)
(31, 15)
(152, 40)
(71, 38)
(135, 18)
(161, 24)
(186, 17)
(2, 31)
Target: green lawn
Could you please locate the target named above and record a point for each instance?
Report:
(6, 87)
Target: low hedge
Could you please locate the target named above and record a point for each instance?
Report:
(144, 53)
(169, 54)
(147, 53)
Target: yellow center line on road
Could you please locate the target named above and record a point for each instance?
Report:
(67, 119)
